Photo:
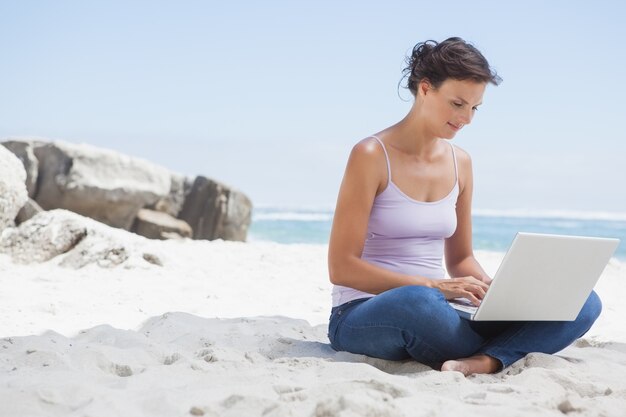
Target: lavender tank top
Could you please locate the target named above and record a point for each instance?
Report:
(405, 235)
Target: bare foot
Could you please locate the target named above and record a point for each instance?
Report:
(479, 364)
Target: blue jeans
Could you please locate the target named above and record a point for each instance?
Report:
(417, 322)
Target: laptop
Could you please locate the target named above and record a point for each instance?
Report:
(542, 277)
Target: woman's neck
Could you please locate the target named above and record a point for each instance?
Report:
(411, 136)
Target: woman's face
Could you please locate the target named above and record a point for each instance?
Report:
(451, 106)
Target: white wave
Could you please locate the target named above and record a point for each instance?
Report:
(296, 207)
(325, 213)
(293, 216)
(558, 214)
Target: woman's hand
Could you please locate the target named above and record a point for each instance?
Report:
(486, 280)
(468, 287)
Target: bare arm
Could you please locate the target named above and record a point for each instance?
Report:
(366, 166)
(460, 260)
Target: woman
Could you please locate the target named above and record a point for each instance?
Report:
(404, 201)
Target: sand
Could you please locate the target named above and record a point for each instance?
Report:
(239, 329)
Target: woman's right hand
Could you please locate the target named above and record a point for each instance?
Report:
(468, 287)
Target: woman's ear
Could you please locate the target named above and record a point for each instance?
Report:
(424, 87)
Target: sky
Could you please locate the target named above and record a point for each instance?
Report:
(269, 97)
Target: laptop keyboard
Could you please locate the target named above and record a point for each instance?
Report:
(467, 309)
(463, 304)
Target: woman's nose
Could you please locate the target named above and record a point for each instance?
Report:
(467, 117)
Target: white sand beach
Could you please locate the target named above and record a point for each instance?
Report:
(153, 154)
(239, 329)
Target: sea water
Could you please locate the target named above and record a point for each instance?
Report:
(493, 230)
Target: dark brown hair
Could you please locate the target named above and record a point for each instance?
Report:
(452, 58)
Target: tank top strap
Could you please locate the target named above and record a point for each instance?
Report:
(386, 157)
(456, 170)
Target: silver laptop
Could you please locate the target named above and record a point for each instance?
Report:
(542, 277)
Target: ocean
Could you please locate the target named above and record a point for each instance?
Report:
(493, 230)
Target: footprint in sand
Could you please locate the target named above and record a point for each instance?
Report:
(290, 393)
(121, 370)
(174, 357)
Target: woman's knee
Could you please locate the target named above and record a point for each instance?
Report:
(415, 308)
(591, 311)
(415, 296)
(408, 308)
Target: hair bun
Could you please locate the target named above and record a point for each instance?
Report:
(452, 58)
(421, 51)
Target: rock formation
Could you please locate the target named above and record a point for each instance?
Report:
(215, 211)
(73, 241)
(114, 189)
(13, 194)
(158, 225)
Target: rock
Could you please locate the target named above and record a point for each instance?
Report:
(105, 254)
(215, 211)
(23, 149)
(70, 240)
(30, 209)
(157, 225)
(111, 188)
(98, 183)
(238, 217)
(171, 235)
(43, 237)
(13, 194)
(153, 259)
(172, 204)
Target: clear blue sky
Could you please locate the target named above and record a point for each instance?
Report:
(270, 96)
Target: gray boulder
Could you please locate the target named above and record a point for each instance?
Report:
(13, 194)
(43, 237)
(102, 184)
(24, 150)
(70, 240)
(111, 188)
(107, 255)
(157, 225)
(173, 202)
(30, 209)
(216, 211)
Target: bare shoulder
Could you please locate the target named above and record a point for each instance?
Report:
(368, 157)
(463, 157)
(368, 148)
(464, 161)
(366, 170)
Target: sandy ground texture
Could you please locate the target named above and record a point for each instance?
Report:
(239, 329)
